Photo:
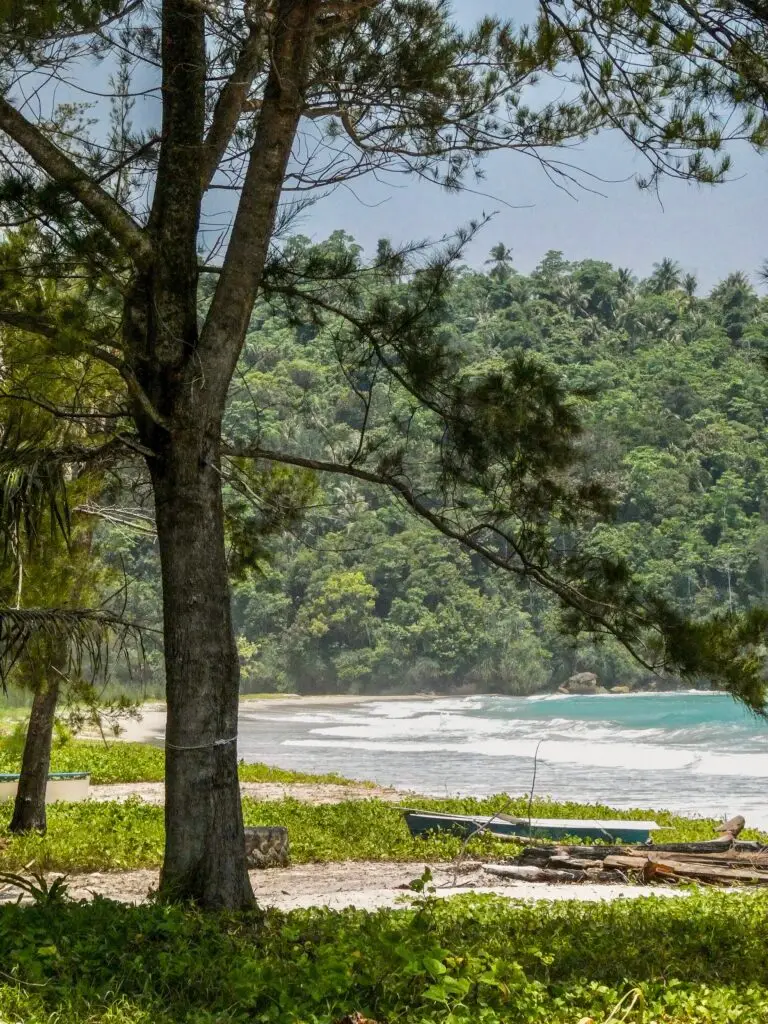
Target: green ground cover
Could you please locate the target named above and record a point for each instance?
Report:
(697, 960)
(118, 836)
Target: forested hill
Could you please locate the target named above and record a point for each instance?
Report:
(358, 595)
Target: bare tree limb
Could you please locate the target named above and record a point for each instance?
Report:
(65, 172)
(231, 103)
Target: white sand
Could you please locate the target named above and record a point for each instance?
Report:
(314, 792)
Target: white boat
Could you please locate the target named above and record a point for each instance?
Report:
(70, 787)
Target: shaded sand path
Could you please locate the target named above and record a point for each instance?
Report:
(361, 884)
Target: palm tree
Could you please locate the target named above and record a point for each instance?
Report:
(500, 262)
(667, 276)
(625, 282)
(49, 647)
(737, 300)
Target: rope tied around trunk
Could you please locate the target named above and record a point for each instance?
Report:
(203, 746)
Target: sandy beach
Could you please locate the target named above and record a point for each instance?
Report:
(150, 727)
(309, 792)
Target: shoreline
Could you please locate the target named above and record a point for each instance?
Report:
(344, 699)
(150, 727)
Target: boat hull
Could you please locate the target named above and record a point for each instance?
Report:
(421, 823)
(69, 787)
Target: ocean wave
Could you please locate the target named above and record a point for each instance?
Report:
(305, 718)
(631, 757)
(546, 698)
(634, 695)
(413, 708)
(480, 730)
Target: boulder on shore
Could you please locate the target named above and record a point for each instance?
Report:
(621, 689)
(583, 683)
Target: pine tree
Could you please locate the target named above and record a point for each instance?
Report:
(679, 80)
(260, 99)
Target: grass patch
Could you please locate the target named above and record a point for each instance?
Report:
(87, 837)
(139, 762)
(698, 960)
(266, 773)
(107, 763)
(117, 836)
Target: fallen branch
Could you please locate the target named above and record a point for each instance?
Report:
(529, 873)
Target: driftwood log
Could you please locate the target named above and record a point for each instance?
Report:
(542, 854)
(725, 860)
(733, 827)
(572, 863)
(655, 865)
(267, 847)
(707, 846)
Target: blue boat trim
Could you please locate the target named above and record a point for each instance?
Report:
(423, 822)
(51, 776)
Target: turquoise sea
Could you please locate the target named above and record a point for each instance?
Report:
(698, 753)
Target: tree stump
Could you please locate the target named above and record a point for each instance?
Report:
(267, 847)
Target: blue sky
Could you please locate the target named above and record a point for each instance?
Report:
(710, 231)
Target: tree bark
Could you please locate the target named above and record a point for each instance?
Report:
(29, 807)
(205, 858)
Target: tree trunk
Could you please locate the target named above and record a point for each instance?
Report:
(29, 807)
(182, 380)
(205, 858)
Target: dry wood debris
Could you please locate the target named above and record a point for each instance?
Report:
(725, 861)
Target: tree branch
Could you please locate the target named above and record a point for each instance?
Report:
(341, 12)
(45, 328)
(99, 27)
(71, 453)
(599, 612)
(137, 154)
(231, 103)
(65, 172)
(135, 389)
(63, 414)
(32, 323)
(224, 330)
